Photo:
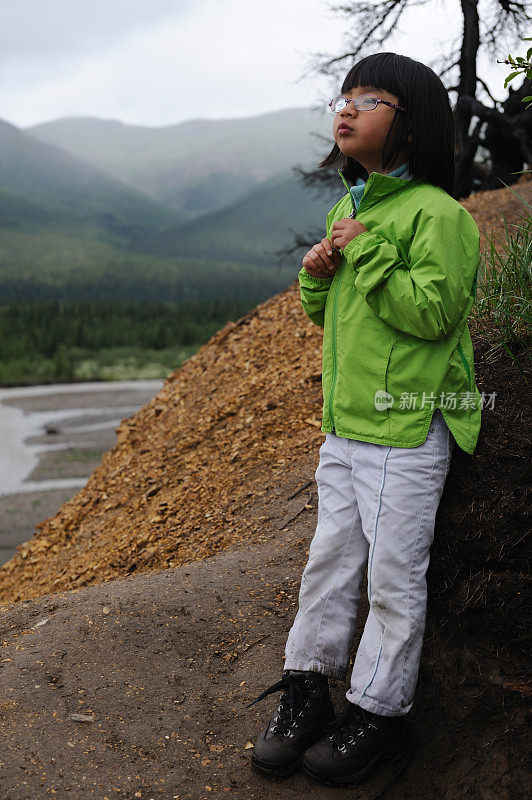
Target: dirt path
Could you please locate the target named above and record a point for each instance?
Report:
(166, 662)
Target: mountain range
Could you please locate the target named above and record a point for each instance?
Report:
(79, 196)
(197, 166)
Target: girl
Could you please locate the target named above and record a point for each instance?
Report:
(392, 285)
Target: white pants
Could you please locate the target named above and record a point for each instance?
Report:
(376, 508)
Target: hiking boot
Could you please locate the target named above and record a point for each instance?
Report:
(354, 746)
(300, 720)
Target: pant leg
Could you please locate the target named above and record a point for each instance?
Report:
(322, 634)
(398, 492)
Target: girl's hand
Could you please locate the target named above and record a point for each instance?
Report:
(322, 261)
(343, 231)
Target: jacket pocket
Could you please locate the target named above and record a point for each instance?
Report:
(417, 374)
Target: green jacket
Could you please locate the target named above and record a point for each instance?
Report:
(396, 345)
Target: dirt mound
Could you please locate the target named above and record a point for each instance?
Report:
(488, 208)
(193, 471)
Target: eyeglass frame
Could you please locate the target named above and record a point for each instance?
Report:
(354, 100)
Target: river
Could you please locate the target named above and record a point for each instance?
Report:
(51, 439)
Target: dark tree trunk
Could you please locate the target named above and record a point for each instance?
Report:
(466, 143)
(508, 137)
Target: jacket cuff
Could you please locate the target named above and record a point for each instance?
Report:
(352, 249)
(310, 280)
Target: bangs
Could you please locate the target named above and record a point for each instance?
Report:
(378, 72)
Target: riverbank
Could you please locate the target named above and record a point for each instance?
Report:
(60, 342)
(51, 439)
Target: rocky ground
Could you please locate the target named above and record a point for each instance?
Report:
(161, 667)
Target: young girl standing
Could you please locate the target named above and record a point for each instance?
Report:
(392, 285)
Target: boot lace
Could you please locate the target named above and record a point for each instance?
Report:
(342, 731)
(291, 704)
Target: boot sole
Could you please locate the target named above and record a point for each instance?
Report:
(350, 781)
(265, 768)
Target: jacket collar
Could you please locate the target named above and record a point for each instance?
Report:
(379, 186)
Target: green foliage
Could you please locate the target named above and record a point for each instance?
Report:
(60, 342)
(503, 307)
(46, 264)
(63, 364)
(521, 66)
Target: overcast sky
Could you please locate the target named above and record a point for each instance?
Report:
(159, 62)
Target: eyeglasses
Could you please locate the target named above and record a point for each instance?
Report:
(364, 102)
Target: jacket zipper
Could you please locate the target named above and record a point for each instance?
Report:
(335, 368)
(333, 382)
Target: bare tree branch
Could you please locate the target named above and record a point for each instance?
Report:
(372, 17)
(300, 242)
(507, 22)
(486, 89)
(503, 20)
(442, 72)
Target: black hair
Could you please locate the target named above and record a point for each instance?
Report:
(427, 118)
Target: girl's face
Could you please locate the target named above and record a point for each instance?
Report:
(361, 134)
